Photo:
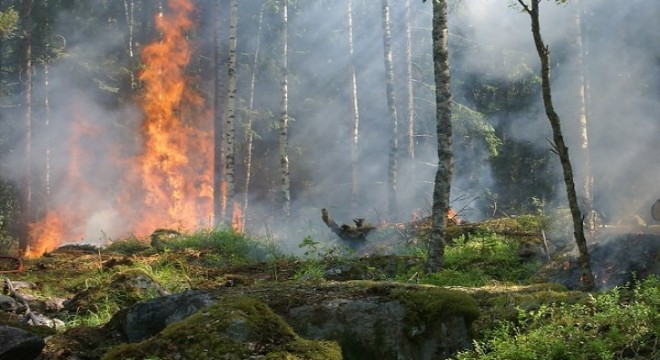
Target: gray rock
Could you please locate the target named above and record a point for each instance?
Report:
(19, 344)
(147, 318)
(8, 303)
(375, 328)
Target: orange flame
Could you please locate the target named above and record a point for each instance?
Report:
(170, 183)
(174, 167)
(237, 217)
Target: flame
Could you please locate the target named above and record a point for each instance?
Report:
(174, 168)
(237, 217)
(169, 183)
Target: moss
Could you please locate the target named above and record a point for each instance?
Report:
(233, 328)
(424, 306)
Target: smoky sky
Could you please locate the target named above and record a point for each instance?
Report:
(622, 61)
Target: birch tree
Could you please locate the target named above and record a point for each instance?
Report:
(355, 111)
(248, 126)
(559, 144)
(284, 191)
(392, 116)
(410, 95)
(26, 70)
(443, 173)
(219, 104)
(230, 127)
(586, 178)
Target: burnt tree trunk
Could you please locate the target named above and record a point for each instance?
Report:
(560, 146)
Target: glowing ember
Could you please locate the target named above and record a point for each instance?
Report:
(169, 184)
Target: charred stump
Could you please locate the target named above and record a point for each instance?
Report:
(355, 236)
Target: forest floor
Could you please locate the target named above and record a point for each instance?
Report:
(77, 291)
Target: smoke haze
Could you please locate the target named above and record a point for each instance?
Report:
(488, 38)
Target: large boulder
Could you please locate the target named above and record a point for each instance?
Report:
(232, 328)
(369, 320)
(19, 344)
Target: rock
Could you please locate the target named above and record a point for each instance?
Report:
(370, 320)
(8, 303)
(232, 328)
(19, 344)
(147, 318)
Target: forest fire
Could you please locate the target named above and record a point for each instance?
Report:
(169, 182)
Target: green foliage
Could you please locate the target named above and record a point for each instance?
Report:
(427, 305)
(483, 259)
(473, 126)
(8, 23)
(623, 323)
(129, 246)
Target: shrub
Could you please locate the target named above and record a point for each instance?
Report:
(620, 324)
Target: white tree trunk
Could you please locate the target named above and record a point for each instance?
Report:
(355, 112)
(230, 127)
(284, 191)
(393, 121)
(248, 126)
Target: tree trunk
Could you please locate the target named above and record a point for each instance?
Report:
(230, 127)
(219, 106)
(410, 146)
(248, 126)
(587, 179)
(129, 11)
(26, 193)
(284, 191)
(560, 146)
(355, 112)
(393, 121)
(443, 129)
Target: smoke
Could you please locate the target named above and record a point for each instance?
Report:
(489, 39)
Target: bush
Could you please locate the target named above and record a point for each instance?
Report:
(620, 324)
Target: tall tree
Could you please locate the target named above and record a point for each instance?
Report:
(129, 12)
(443, 173)
(250, 118)
(230, 126)
(586, 176)
(410, 95)
(392, 116)
(219, 105)
(355, 111)
(559, 145)
(26, 70)
(284, 191)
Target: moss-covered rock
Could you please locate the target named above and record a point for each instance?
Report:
(232, 328)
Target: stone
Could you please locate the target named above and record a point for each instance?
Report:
(147, 318)
(19, 344)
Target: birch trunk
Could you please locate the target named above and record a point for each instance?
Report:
(27, 188)
(284, 191)
(355, 112)
(392, 116)
(560, 146)
(409, 91)
(230, 127)
(129, 11)
(219, 105)
(587, 179)
(248, 126)
(443, 173)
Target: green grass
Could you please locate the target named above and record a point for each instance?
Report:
(480, 261)
(621, 324)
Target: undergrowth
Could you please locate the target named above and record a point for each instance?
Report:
(482, 260)
(623, 323)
